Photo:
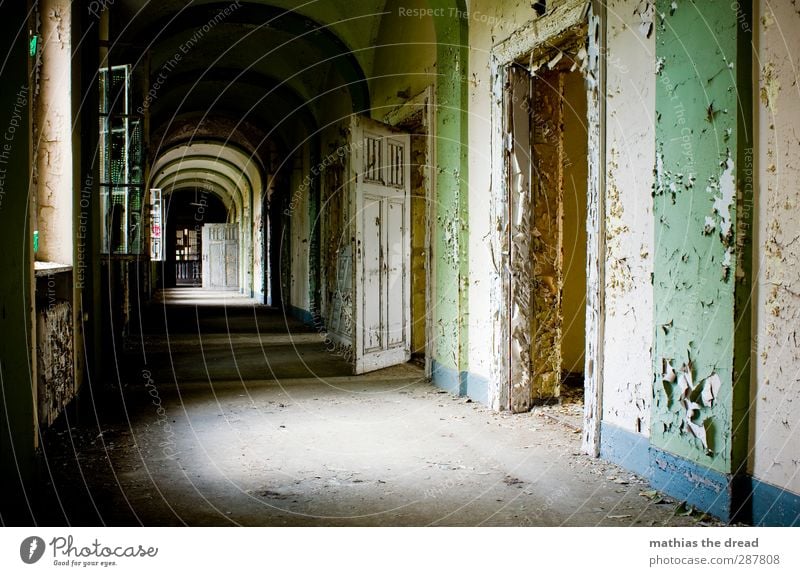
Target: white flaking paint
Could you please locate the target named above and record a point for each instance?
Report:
(775, 422)
(723, 202)
(628, 341)
(511, 32)
(53, 173)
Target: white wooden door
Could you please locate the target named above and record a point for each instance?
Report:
(221, 256)
(380, 160)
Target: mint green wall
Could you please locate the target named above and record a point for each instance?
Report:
(450, 307)
(702, 263)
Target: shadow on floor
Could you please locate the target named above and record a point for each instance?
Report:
(236, 415)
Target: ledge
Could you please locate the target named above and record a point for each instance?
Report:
(48, 268)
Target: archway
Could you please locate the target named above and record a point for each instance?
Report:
(187, 212)
(234, 178)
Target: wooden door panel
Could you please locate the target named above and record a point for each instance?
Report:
(372, 295)
(382, 245)
(221, 256)
(396, 269)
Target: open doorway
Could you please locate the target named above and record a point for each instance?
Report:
(547, 179)
(415, 117)
(419, 260)
(188, 211)
(573, 293)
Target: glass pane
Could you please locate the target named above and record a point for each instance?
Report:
(104, 214)
(102, 149)
(102, 86)
(121, 165)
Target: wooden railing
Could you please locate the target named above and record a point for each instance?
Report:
(187, 270)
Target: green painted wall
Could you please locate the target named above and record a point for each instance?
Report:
(701, 268)
(450, 242)
(16, 401)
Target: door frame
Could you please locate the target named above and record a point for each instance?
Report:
(538, 34)
(425, 101)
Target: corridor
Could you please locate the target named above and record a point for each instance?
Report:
(238, 416)
(399, 262)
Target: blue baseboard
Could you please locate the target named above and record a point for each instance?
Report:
(625, 448)
(698, 486)
(303, 315)
(726, 496)
(701, 487)
(773, 506)
(445, 378)
(460, 383)
(476, 387)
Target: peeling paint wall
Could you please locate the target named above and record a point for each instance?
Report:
(545, 228)
(630, 149)
(258, 245)
(53, 135)
(701, 269)
(299, 230)
(336, 256)
(491, 23)
(451, 315)
(420, 198)
(56, 183)
(518, 238)
(56, 386)
(595, 267)
(499, 33)
(776, 392)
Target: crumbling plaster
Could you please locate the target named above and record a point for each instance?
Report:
(775, 419)
(701, 273)
(630, 144)
(53, 136)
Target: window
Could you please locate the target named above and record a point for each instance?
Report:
(121, 166)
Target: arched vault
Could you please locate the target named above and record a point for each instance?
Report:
(234, 176)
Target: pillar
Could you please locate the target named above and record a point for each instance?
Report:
(702, 271)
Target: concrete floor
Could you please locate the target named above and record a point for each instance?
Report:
(233, 415)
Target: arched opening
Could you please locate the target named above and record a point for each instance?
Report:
(188, 212)
(190, 175)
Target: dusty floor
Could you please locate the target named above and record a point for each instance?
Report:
(234, 416)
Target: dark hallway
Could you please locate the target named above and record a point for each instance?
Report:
(197, 335)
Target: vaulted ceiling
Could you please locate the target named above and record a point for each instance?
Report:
(245, 74)
(277, 65)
